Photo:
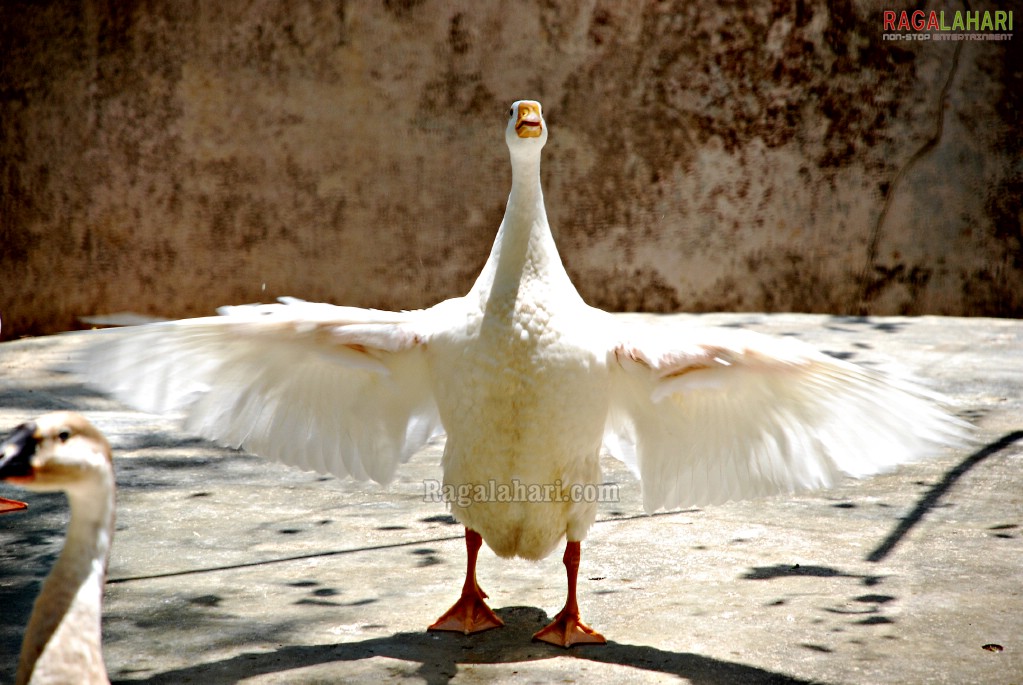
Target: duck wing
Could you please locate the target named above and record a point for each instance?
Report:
(341, 390)
(707, 415)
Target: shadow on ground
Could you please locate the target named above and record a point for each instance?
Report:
(439, 656)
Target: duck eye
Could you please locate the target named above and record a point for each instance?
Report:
(64, 435)
(511, 112)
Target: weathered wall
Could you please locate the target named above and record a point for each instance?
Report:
(167, 156)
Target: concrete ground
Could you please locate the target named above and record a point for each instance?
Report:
(227, 568)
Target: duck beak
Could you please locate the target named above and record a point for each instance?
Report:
(16, 461)
(8, 505)
(529, 123)
(16, 453)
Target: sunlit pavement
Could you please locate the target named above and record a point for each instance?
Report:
(227, 568)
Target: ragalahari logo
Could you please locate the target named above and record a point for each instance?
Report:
(941, 25)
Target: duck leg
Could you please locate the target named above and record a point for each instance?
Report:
(470, 614)
(566, 629)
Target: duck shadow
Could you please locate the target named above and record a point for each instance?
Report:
(439, 656)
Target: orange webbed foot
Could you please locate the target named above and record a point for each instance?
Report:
(566, 630)
(470, 614)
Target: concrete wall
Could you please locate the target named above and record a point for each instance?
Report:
(167, 157)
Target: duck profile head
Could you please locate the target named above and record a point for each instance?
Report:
(526, 128)
(57, 451)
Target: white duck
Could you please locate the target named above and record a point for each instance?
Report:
(528, 382)
(63, 451)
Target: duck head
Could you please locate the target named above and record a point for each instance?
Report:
(57, 451)
(526, 128)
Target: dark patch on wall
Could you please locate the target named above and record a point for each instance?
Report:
(296, 35)
(1005, 201)
(401, 8)
(637, 290)
(1006, 212)
(990, 291)
(460, 88)
(791, 281)
(912, 279)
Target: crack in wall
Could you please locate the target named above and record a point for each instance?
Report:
(868, 288)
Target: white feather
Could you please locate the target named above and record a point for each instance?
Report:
(707, 415)
(348, 394)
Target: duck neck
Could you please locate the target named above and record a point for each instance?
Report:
(526, 197)
(524, 250)
(65, 624)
